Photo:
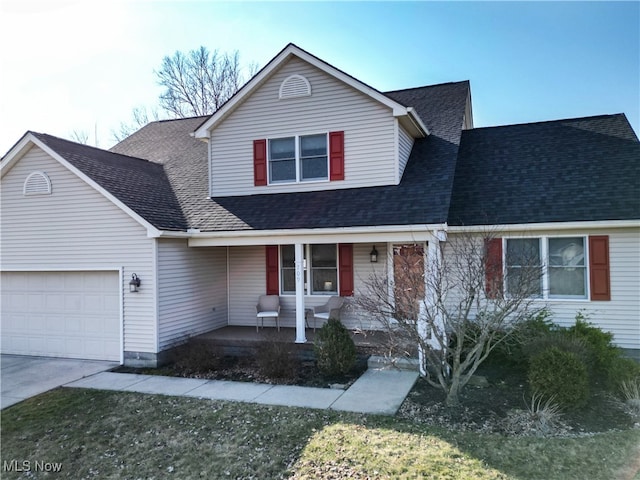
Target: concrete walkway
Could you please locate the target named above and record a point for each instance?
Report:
(378, 391)
(22, 377)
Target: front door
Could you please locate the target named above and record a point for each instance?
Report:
(409, 281)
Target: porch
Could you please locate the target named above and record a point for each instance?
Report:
(240, 340)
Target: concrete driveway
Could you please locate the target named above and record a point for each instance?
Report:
(22, 377)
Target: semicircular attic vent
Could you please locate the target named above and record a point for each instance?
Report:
(37, 183)
(295, 86)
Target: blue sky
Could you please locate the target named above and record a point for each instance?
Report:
(84, 65)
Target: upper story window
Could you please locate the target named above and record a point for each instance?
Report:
(298, 159)
(552, 267)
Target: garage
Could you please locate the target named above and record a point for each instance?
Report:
(61, 314)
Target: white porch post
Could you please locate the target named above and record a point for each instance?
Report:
(434, 261)
(299, 260)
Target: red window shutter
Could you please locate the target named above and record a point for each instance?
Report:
(345, 269)
(259, 162)
(599, 280)
(336, 156)
(273, 265)
(493, 267)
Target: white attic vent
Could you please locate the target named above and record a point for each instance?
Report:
(295, 86)
(37, 183)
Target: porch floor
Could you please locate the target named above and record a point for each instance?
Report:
(367, 342)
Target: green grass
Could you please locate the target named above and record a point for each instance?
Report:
(95, 434)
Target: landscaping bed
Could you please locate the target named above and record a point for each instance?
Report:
(291, 370)
(504, 407)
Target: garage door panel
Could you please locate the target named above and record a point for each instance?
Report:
(66, 314)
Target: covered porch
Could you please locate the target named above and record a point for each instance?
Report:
(305, 268)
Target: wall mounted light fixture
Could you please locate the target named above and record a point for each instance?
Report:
(134, 283)
(374, 255)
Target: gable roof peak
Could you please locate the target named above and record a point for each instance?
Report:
(399, 110)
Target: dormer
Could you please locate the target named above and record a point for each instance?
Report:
(300, 124)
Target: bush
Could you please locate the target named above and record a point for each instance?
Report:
(275, 360)
(622, 370)
(561, 340)
(194, 357)
(561, 375)
(334, 349)
(600, 343)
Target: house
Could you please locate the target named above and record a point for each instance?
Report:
(287, 189)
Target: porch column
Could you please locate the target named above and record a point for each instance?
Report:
(432, 271)
(299, 260)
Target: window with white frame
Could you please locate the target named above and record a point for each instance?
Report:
(321, 267)
(298, 159)
(547, 267)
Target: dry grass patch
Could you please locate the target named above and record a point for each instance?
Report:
(96, 434)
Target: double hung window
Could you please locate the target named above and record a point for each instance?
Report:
(320, 272)
(548, 267)
(298, 159)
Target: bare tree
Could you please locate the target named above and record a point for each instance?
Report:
(199, 82)
(80, 136)
(454, 309)
(141, 116)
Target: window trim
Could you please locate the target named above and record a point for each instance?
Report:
(308, 268)
(543, 242)
(298, 159)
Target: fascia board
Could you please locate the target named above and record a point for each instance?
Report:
(292, 50)
(530, 227)
(16, 152)
(31, 139)
(402, 233)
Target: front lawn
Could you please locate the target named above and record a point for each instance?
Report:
(95, 434)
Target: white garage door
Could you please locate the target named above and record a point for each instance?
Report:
(61, 314)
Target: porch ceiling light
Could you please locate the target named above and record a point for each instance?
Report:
(374, 255)
(134, 283)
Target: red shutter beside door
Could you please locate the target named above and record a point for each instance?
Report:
(599, 280)
(273, 265)
(345, 269)
(336, 156)
(259, 162)
(493, 267)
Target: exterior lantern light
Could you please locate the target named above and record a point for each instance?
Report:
(134, 284)
(374, 255)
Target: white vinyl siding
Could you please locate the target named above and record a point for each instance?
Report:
(620, 315)
(192, 290)
(247, 281)
(405, 144)
(77, 228)
(369, 138)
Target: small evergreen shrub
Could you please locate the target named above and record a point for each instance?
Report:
(561, 340)
(275, 360)
(600, 343)
(622, 370)
(334, 349)
(561, 375)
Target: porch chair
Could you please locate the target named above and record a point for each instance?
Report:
(331, 309)
(268, 306)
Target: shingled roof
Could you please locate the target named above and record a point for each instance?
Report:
(141, 185)
(422, 196)
(582, 169)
